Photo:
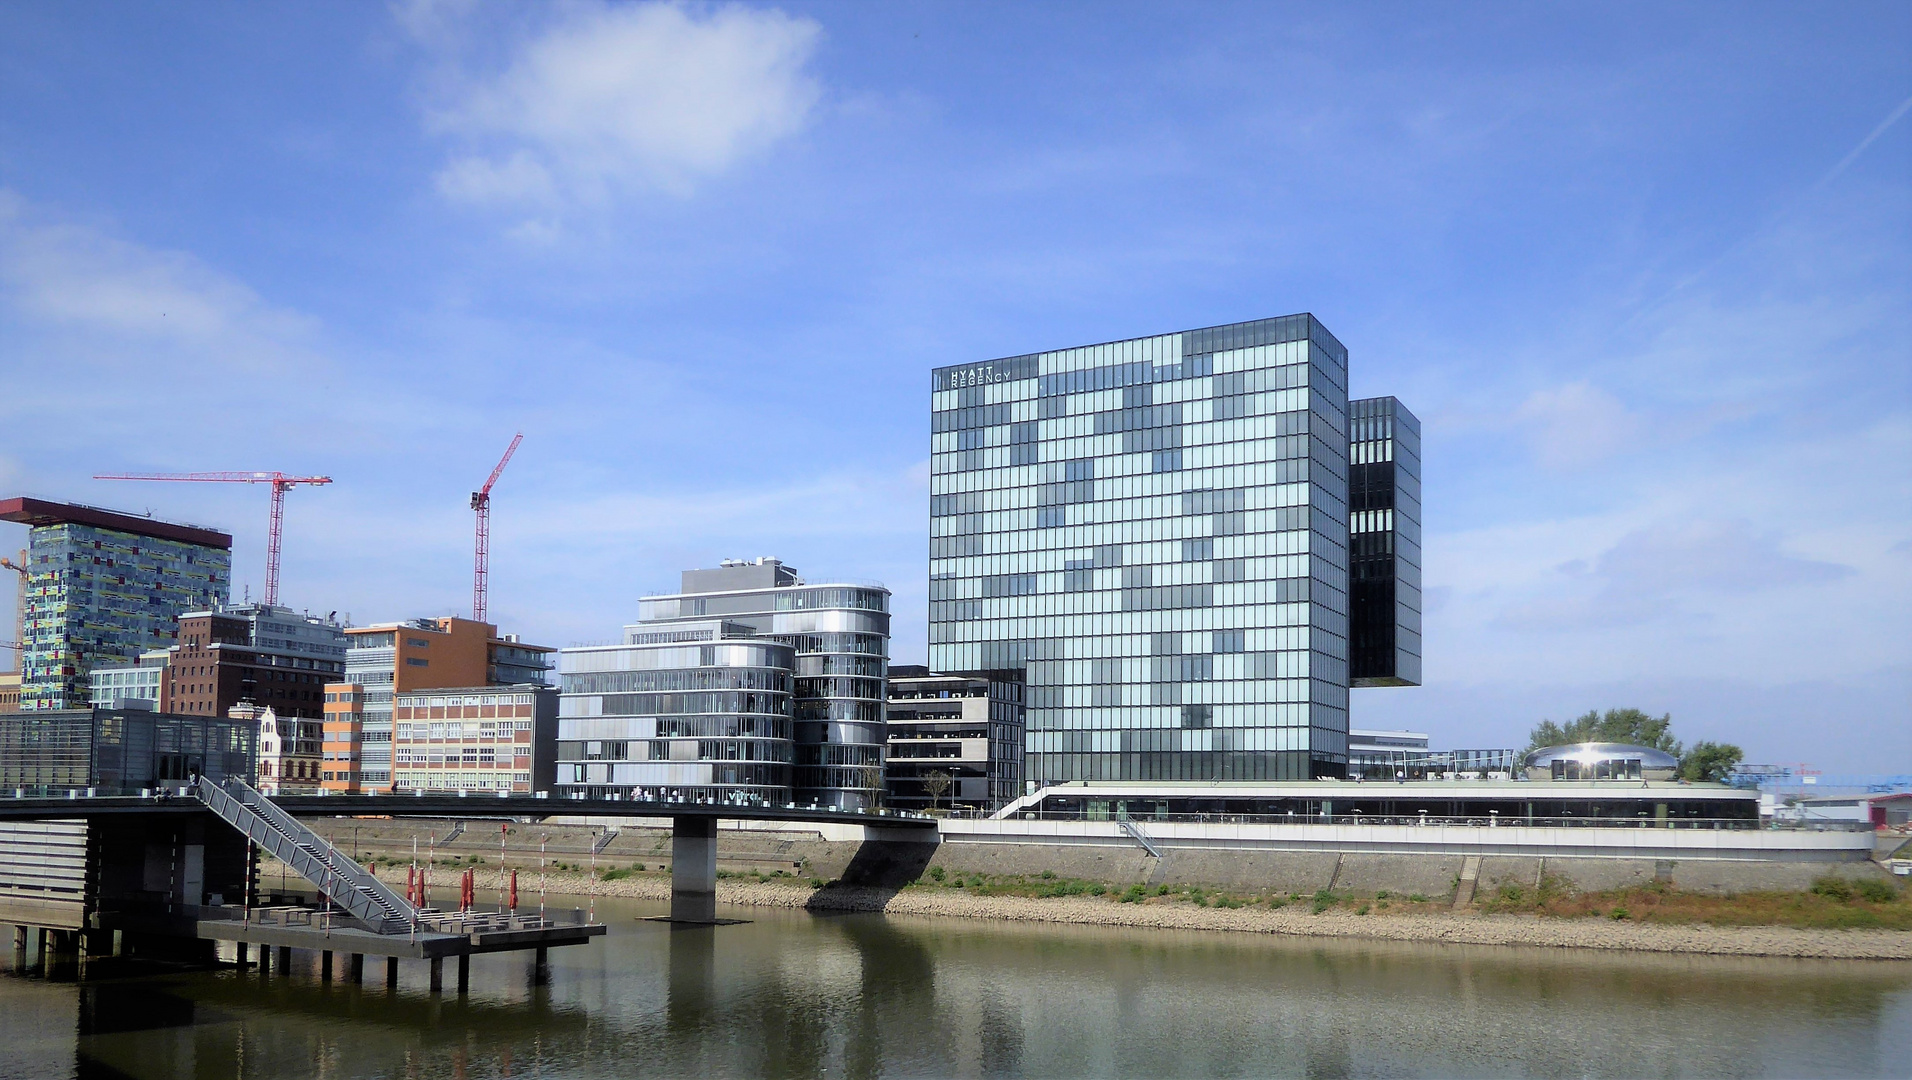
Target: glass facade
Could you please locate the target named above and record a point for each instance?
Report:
(1384, 543)
(103, 596)
(839, 635)
(1154, 532)
(702, 712)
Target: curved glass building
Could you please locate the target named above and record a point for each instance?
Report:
(699, 709)
(839, 634)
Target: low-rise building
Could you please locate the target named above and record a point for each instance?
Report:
(138, 685)
(480, 739)
(10, 692)
(288, 750)
(954, 740)
(1405, 755)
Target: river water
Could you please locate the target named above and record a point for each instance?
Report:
(795, 994)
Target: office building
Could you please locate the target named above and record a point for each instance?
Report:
(102, 587)
(254, 654)
(10, 692)
(386, 659)
(956, 741)
(1384, 544)
(120, 751)
(288, 750)
(840, 632)
(699, 709)
(1405, 755)
(138, 685)
(800, 723)
(481, 739)
(1154, 533)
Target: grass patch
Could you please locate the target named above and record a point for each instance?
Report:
(1831, 903)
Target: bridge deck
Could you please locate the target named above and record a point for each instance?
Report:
(42, 808)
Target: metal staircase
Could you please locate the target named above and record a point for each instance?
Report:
(1135, 833)
(342, 880)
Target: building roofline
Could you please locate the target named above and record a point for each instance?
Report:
(1141, 337)
(40, 512)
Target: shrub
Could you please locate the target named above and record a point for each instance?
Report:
(1097, 890)
(816, 883)
(1382, 895)
(1619, 914)
(1832, 888)
(1419, 898)
(1134, 893)
(1161, 890)
(638, 866)
(1228, 902)
(1362, 910)
(936, 873)
(1878, 892)
(1048, 875)
(1323, 900)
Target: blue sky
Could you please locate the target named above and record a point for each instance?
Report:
(1643, 271)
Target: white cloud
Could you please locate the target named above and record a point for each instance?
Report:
(81, 278)
(613, 98)
(1576, 425)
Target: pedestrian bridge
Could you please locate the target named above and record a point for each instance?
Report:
(272, 824)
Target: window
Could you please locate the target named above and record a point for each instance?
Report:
(417, 661)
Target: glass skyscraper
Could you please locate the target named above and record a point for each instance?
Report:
(1384, 543)
(1154, 532)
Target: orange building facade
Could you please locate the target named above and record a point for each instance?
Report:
(386, 660)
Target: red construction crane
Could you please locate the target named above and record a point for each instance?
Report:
(280, 484)
(481, 559)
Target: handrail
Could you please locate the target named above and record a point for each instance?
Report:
(341, 879)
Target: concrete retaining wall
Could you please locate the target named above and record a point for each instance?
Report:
(1099, 851)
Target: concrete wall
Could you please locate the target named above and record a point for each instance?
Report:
(1117, 860)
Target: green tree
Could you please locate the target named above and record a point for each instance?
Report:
(1629, 726)
(1710, 761)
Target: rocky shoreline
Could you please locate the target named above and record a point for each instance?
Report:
(1455, 928)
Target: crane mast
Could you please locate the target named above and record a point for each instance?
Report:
(281, 483)
(481, 555)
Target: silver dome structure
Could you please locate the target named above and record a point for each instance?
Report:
(1600, 761)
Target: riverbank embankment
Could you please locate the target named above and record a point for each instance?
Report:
(1299, 919)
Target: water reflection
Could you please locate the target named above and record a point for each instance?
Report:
(791, 994)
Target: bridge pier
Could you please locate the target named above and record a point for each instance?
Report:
(355, 968)
(265, 960)
(325, 966)
(464, 974)
(694, 869)
(239, 955)
(438, 973)
(285, 959)
(20, 949)
(391, 973)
